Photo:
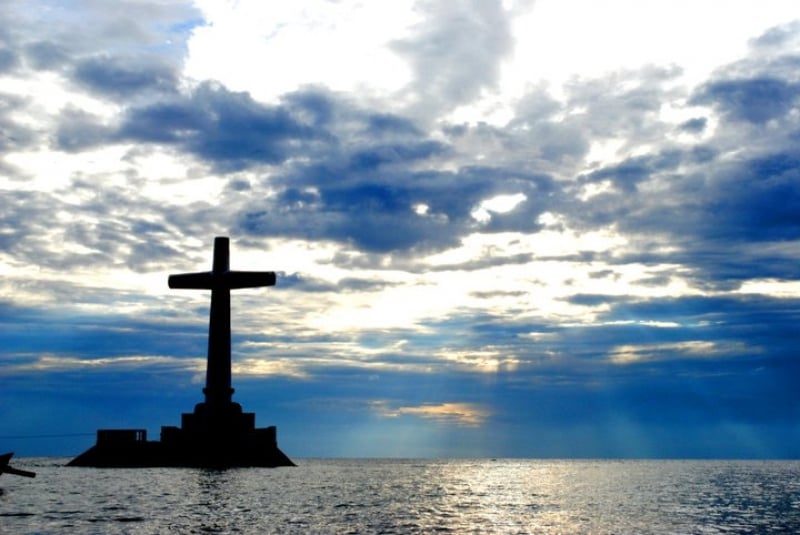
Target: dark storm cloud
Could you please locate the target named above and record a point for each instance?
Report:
(370, 158)
(710, 211)
(375, 211)
(629, 173)
(382, 123)
(755, 100)
(760, 200)
(229, 129)
(760, 87)
(120, 77)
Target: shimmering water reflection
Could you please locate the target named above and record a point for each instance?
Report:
(410, 496)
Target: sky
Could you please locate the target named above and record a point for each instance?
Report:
(521, 228)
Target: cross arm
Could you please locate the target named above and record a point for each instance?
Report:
(192, 281)
(250, 279)
(231, 280)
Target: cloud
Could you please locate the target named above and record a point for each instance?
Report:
(54, 32)
(624, 104)
(99, 334)
(310, 284)
(633, 354)
(118, 77)
(378, 211)
(630, 172)
(61, 363)
(261, 367)
(756, 100)
(8, 60)
(100, 230)
(695, 125)
(455, 52)
(489, 359)
(46, 55)
(79, 130)
(730, 188)
(14, 134)
(452, 413)
(777, 38)
(229, 129)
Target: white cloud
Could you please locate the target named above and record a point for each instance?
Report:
(270, 366)
(500, 204)
(62, 363)
(778, 288)
(693, 349)
(559, 39)
(270, 48)
(456, 413)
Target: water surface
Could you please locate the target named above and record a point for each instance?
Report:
(409, 496)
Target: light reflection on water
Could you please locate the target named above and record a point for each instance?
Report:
(410, 496)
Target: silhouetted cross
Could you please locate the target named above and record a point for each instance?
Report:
(220, 280)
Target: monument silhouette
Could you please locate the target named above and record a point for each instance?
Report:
(217, 434)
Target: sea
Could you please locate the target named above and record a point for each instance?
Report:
(408, 496)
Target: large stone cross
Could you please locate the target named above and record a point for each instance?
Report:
(220, 280)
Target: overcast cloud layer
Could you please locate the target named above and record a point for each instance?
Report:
(498, 231)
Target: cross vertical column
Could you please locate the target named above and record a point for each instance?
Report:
(220, 280)
(218, 368)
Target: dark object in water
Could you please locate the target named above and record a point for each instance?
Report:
(217, 434)
(6, 469)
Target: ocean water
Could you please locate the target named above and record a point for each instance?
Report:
(409, 496)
